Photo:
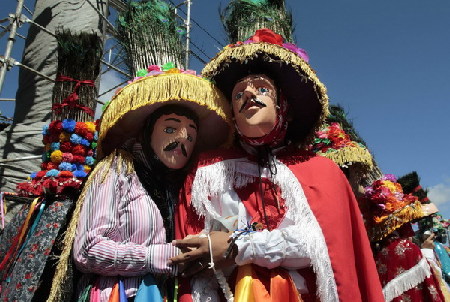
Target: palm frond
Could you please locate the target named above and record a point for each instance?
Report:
(151, 34)
(241, 18)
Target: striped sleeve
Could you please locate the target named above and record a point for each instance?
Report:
(102, 245)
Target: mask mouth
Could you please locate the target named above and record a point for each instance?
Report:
(183, 150)
(173, 145)
(251, 102)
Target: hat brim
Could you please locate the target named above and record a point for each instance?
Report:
(417, 210)
(306, 95)
(125, 116)
(351, 155)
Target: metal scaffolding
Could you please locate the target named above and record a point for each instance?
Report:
(110, 60)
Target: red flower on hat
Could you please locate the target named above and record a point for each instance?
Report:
(267, 35)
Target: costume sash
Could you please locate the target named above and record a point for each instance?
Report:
(258, 284)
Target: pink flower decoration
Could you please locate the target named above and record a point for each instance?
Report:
(190, 71)
(299, 51)
(153, 68)
(154, 72)
(67, 157)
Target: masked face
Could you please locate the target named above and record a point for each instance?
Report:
(254, 100)
(173, 140)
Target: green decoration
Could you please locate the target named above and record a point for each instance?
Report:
(105, 105)
(337, 114)
(168, 66)
(79, 56)
(151, 34)
(241, 18)
(141, 72)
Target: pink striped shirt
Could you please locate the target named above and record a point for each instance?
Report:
(120, 233)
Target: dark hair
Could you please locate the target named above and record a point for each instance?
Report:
(161, 182)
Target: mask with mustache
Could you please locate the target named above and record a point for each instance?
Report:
(253, 100)
(174, 145)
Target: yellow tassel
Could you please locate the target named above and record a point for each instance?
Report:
(248, 51)
(163, 88)
(350, 155)
(378, 231)
(104, 166)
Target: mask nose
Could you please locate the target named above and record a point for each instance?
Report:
(182, 134)
(249, 92)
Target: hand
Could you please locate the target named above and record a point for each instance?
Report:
(197, 255)
(429, 242)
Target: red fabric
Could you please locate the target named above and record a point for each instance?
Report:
(274, 208)
(267, 35)
(71, 101)
(335, 208)
(398, 256)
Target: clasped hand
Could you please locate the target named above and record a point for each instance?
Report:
(196, 255)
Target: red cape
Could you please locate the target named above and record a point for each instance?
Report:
(332, 202)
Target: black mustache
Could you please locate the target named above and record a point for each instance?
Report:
(174, 145)
(256, 100)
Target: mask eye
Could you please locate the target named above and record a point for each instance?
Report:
(263, 90)
(169, 130)
(189, 138)
(238, 95)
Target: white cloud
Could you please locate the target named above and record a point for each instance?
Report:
(107, 81)
(440, 193)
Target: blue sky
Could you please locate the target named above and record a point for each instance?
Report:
(386, 62)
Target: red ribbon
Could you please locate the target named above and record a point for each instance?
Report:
(72, 99)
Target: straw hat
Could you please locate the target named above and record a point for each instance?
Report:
(125, 116)
(389, 207)
(266, 53)
(333, 142)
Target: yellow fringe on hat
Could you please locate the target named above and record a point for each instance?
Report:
(378, 231)
(161, 88)
(244, 52)
(348, 155)
(124, 159)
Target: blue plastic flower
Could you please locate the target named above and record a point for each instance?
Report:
(79, 173)
(45, 130)
(65, 166)
(52, 173)
(69, 125)
(79, 167)
(75, 139)
(85, 142)
(54, 146)
(89, 160)
(33, 175)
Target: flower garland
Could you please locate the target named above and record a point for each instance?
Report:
(153, 70)
(169, 67)
(268, 36)
(332, 137)
(69, 154)
(386, 197)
